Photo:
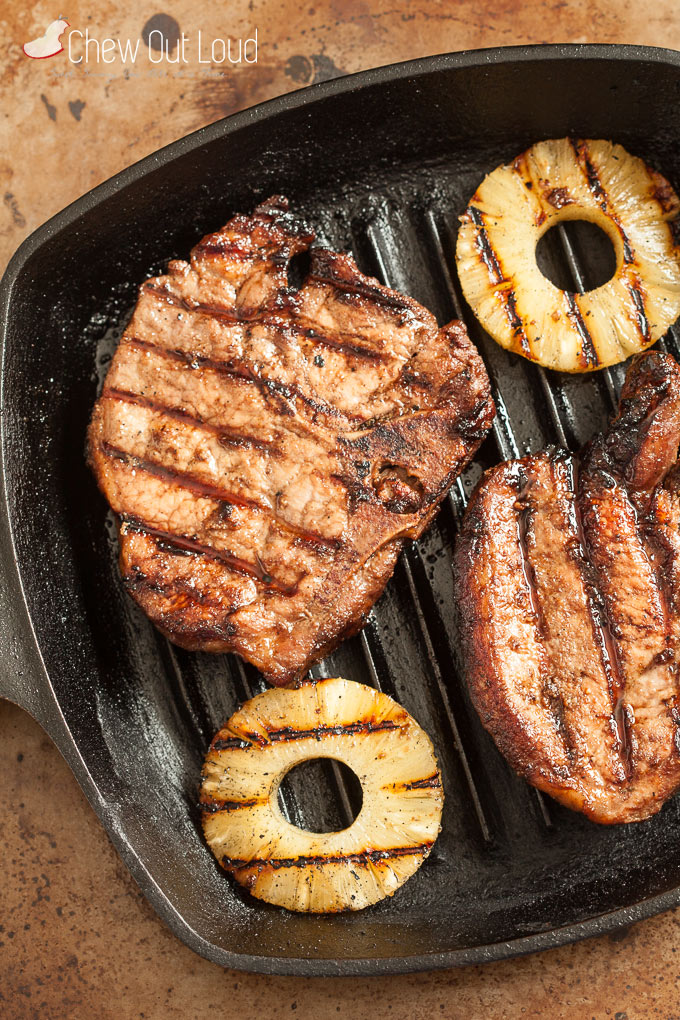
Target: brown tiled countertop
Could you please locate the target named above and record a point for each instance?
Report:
(77, 938)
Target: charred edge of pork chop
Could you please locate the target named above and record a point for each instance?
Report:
(568, 614)
(268, 450)
(500, 629)
(641, 444)
(188, 616)
(272, 231)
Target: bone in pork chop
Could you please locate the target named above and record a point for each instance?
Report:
(268, 450)
(568, 580)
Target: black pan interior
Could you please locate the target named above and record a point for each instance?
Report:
(383, 165)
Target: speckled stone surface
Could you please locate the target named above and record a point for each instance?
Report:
(77, 938)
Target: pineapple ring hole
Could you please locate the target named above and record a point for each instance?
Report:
(593, 250)
(311, 785)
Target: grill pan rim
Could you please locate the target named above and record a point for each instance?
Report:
(306, 96)
(30, 688)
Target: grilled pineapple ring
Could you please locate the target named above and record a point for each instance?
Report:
(321, 872)
(515, 205)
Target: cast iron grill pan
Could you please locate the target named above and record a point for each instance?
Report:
(381, 163)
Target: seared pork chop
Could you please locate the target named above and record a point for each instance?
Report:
(268, 450)
(568, 580)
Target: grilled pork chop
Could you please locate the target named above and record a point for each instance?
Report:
(268, 450)
(568, 576)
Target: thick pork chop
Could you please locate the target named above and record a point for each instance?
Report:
(268, 450)
(568, 579)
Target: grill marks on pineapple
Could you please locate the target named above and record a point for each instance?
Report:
(638, 314)
(286, 733)
(559, 198)
(432, 782)
(363, 858)
(585, 161)
(507, 293)
(487, 252)
(229, 744)
(257, 739)
(212, 807)
(582, 154)
(309, 871)
(553, 181)
(588, 350)
(490, 258)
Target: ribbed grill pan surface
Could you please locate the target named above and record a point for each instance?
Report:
(382, 163)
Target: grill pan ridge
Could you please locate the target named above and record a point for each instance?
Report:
(382, 163)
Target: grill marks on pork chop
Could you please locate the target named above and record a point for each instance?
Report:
(268, 450)
(585, 703)
(564, 590)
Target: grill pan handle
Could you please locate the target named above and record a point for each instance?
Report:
(23, 679)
